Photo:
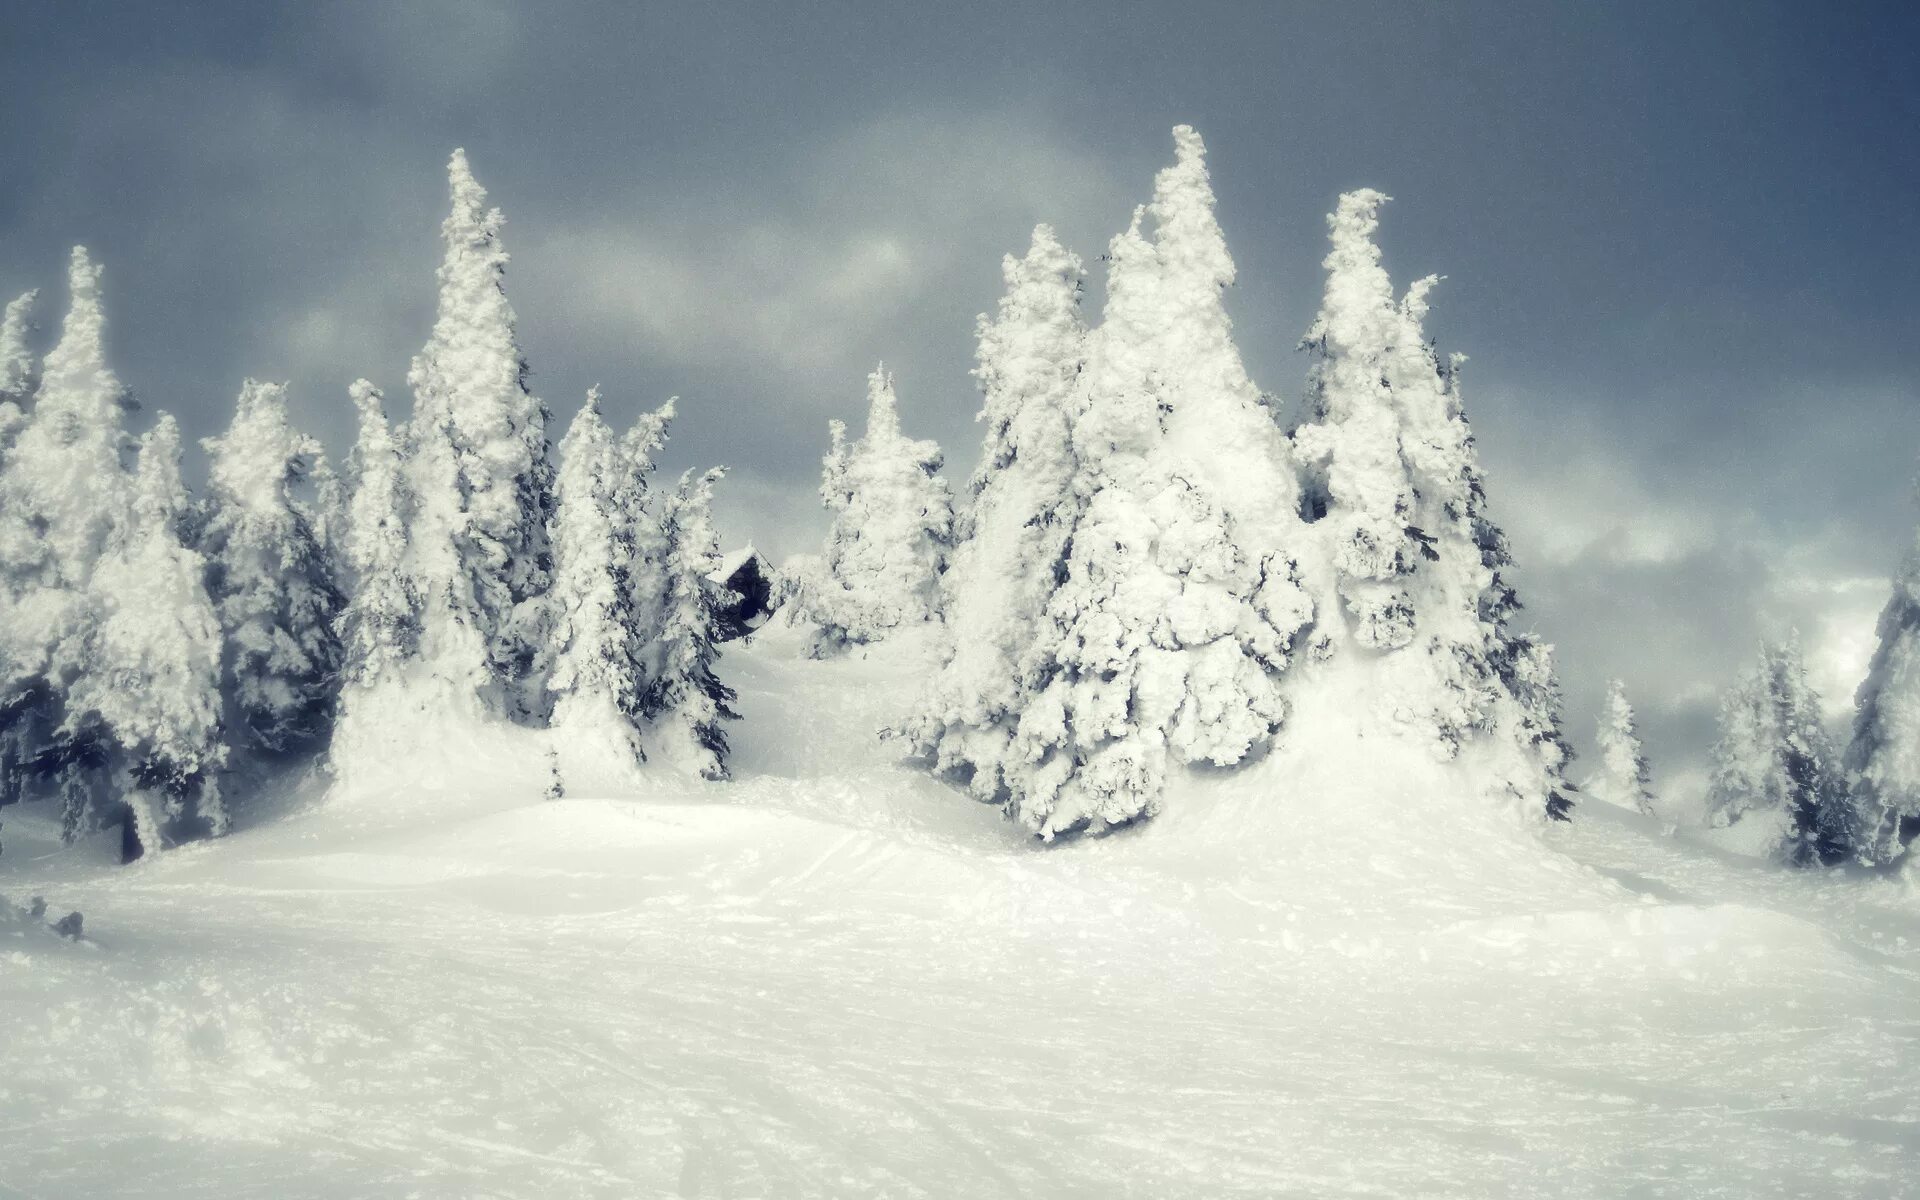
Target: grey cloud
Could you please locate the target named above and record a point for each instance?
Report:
(1685, 275)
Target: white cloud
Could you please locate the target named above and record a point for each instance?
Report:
(827, 261)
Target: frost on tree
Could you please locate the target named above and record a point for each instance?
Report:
(892, 525)
(23, 704)
(62, 492)
(597, 623)
(1774, 762)
(326, 512)
(1179, 597)
(1011, 536)
(16, 368)
(380, 624)
(686, 703)
(1394, 491)
(1359, 482)
(272, 582)
(645, 512)
(480, 471)
(1624, 778)
(1883, 757)
(151, 681)
(66, 471)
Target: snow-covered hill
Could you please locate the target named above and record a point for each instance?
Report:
(833, 977)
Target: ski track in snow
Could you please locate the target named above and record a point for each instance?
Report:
(834, 977)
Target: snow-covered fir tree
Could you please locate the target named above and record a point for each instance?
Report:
(685, 702)
(645, 511)
(1624, 778)
(16, 368)
(480, 472)
(1358, 480)
(326, 512)
(1883, 755)
(18, 700)
(1011, 536)
(380, 624)
(152, 675)
(272, 582)
(63, 491)
(892, 525)
(1774, 762)
(66, 470)
(597, 675)
(1394, 489)
(1179, 595)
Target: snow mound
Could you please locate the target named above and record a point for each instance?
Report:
(405, 753)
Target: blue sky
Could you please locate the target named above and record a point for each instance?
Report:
(1682, 243)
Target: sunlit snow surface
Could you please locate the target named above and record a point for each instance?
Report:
(834, 978)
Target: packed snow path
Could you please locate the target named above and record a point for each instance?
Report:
(833, 977)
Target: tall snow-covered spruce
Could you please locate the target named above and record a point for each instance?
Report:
(1883, 756)
(1178, 595)
(272, 582)
(63, 492)
(1624, 778)
(1774, 764)
(152, 678)
(480, 474)
(66, 467)
(596, 621)
(685, 701)
(1415, 566)
(379, 626)
(892, 526)
(1012, 534)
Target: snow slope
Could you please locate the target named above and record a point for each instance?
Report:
(832, 977)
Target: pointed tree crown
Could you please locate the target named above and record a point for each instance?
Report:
(1030, 353)
(883, 407)
(159, 495)
(260, 455)
(75, 377)
(1192, 249)
(67, 464)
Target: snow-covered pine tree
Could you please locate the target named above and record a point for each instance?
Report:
(1011, 536)
(480, 471)
(1773, 761)
(1394, 490)
(380, 625)
(892, 525)
(685, 701)
(1358, 481)
(1883, 755)
(16, 386)
(66, 470)
(645, 511)
(1624, 778)
(152, 675)
(16, 368)
(1179, 594)
(597, 676)
(272, 582)
(326, 512)
(64, 488)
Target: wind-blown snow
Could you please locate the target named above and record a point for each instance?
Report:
(832, 977)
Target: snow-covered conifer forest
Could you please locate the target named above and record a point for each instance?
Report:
(1178, 802)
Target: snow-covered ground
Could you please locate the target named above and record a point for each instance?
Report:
(832, 977)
